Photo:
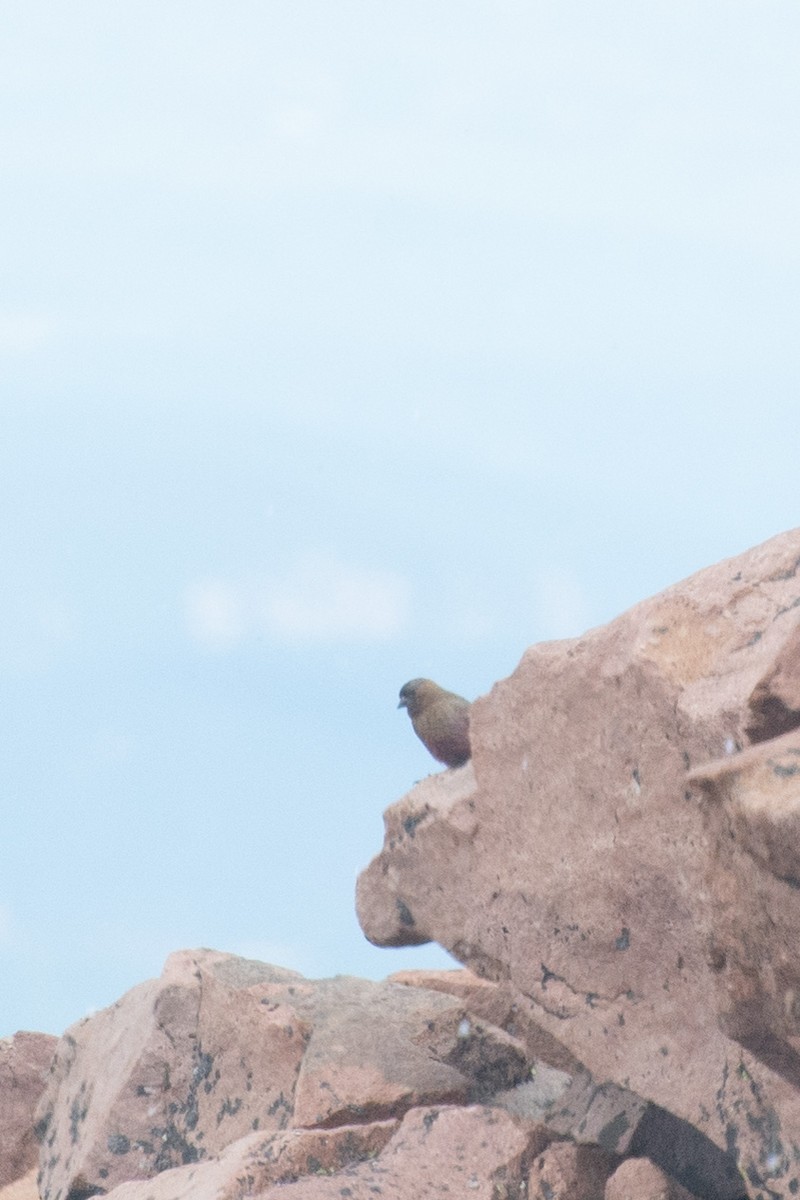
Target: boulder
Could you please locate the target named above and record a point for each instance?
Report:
(753, 811)
(570, 857)
(565, 1171)
(24, 1064)
(251, 1165)
(640, 1179)
(23, 1188)
(219, 1047)
(437, 1152)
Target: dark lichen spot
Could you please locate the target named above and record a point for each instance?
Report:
(77, 1115)
(118, 1143)
(229, 1108)
(174, 1149)
(202, 1068)
(81, 1190)
(41, 1127)
(404, 913)
(411, 822)
(717, 959)
(624, 939)
(429, 1119)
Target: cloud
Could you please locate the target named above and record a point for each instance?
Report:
(562, 607)
(318, 598)
(214, 614)
(322, 599)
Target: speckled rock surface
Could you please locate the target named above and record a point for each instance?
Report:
(24, 1064)
(219, 1047)
(439, 1153)
(252, 1164)
(570, 856)
(640, 1179)
(565, 1171)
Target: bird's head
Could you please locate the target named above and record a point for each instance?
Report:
(415, 694)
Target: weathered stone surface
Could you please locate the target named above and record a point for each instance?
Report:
(570, 857)
(23, 1188)
(218, 1047)
(576, 1106)
(252, 1164)
(377, 1049)
(565, 1171)
(639, 1179)
(775, 700)
(753, 811)
(24, 1063)
(437, 1152)
(173, 1072)
(501, 1005)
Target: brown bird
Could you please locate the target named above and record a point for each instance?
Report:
(440, 720)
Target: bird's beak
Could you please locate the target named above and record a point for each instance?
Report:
(402, 704)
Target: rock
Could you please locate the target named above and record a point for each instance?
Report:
(23, 1188)
(218, 1047)
(173, 1072)
(377, 1049)
(252, 1164)
(570, 858)
(501, 1005)
(753, 812)
(448, 1152)
(639, 1179)
(775, 700)
(569, 1172)
(24, 1062)
(565, 1097)
(576, 1106)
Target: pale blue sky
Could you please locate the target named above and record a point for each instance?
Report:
(340, 344)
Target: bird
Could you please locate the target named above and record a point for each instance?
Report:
(440, 720)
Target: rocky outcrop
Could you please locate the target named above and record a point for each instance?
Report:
(24, 1062)
(227, 1078)
(617, 866)
(574, 860)
(218, 1048)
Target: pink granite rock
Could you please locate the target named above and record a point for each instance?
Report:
(753, 812)
(775, 700)
(24, 1063)
(252, 1164)
(23, 1188)
(571, 858)
(498, 1003)
(377, 1049)
(565, 1171)
(183, 1066)
(472, 1152)
(640, 1179)
(174, 1071)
